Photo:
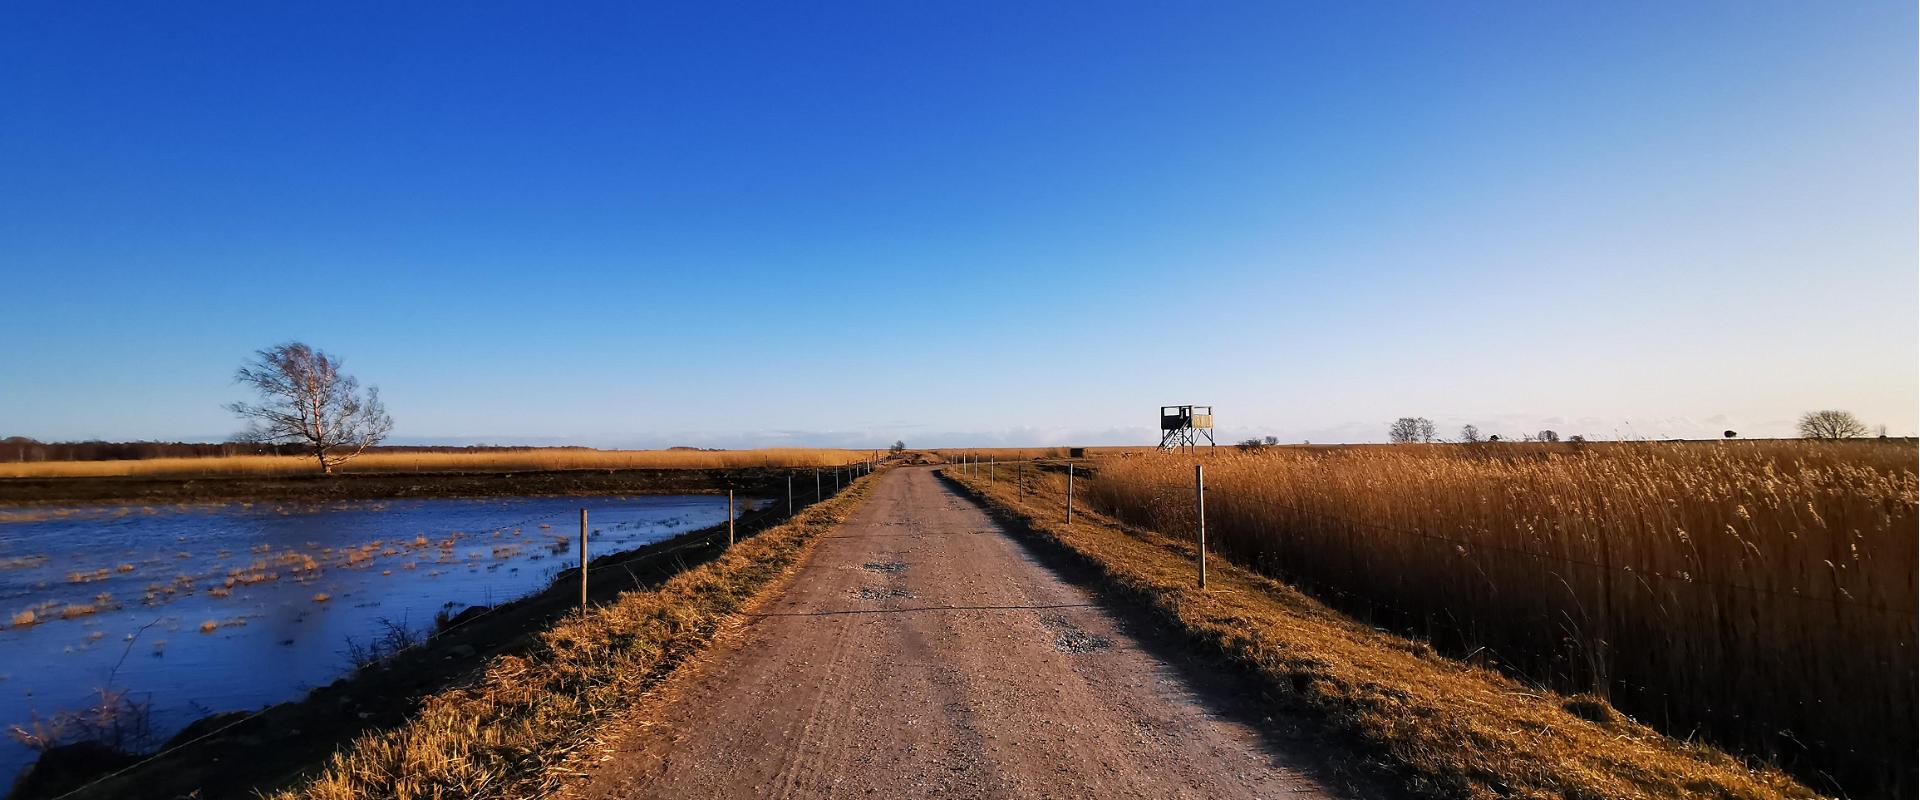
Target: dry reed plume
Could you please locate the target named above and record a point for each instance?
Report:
(1759, 594)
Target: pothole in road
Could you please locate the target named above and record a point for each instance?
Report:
(882, 593)
(889, 567)
(1070, 638)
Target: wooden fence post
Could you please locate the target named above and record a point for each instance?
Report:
(583, 561)
(1069, 494)
(789, 494)
(729, 519)
(1200, 511)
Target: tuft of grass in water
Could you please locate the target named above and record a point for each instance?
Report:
(509, 734)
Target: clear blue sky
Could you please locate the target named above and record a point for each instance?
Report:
(624, 224)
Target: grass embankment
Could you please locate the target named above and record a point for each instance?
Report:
(1758, 595)
(485, 461)
(1460, 731)
(505, 735)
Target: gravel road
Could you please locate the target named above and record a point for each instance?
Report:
(921, 651)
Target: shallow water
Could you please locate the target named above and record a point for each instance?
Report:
(205, 608)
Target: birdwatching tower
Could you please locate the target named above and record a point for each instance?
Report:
(1185, 427)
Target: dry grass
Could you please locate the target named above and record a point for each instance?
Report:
(509, 733)
(1458, 730)
(1760, 595)
(488, 461)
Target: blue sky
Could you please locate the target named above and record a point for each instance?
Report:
(625, 224)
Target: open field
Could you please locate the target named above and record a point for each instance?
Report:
(1455, 729)
(1758, 594)
(484, 461)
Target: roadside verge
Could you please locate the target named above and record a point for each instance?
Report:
(1457, 730)
(506, 735)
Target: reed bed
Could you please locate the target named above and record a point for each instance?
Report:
(1758, 595)
(483, 461)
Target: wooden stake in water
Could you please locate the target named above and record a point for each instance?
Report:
(816, 483)
(583, 561)
(729, 519)
(1200, 512)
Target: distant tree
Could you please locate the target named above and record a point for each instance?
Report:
(1546, 436)
(1407, 430)
(1469, 434)
(1729, 434)
(1273, 440)
(305, 400)
(1880, 431)
(1831, 424)
(1257, 443)
(898, 447)
(1576, 438)
(1494, 438)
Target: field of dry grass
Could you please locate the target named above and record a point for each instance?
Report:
(1758, 595)
(484, 461)
(1458, 730)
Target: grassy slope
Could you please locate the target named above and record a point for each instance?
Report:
(1460, 731)
(508, 733)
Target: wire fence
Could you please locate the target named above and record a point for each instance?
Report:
(827, 483)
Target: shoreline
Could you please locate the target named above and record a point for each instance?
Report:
(24, 493)
(237, 753)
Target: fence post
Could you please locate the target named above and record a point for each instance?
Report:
(789, 494)
(1200, 511)
(816, 484)
(583, 561)
(729, 519)
(1069, 494)
(1023, 479)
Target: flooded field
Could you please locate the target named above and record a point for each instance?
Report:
(196, 609)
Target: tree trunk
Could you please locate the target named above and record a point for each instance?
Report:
(325, 468)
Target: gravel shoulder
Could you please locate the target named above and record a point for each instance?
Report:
(921, 650)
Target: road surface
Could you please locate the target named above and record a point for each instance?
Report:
(921, 651)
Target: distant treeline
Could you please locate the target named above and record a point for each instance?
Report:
(22, 449)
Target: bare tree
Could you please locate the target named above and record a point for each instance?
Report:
(898, 447)
(1546, 436)
(1831, 424)
(305, 400)
(1406, 430)
(1469, 434)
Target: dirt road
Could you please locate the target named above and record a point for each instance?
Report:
(923, 652)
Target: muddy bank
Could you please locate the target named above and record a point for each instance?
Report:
(232, 755)
(767, 482)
